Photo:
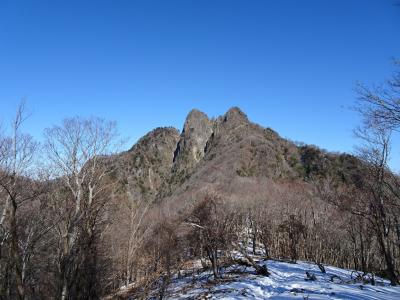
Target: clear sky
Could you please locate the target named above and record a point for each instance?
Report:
(290, 65)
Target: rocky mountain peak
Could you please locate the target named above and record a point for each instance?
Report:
(156, 138)
(165, 158)
(141, 171)
(235, 114)
(196, 120)
(190, 150)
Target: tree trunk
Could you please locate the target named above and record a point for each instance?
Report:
(64, 290)
(266, 251)
(254, 241)
(15, 253)
(390, 269)
(212, 255)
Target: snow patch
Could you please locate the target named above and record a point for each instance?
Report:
(287, 281)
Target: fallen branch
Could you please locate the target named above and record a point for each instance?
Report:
(321, 267)
(260, 270)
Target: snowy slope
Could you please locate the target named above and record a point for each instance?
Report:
(287, 281)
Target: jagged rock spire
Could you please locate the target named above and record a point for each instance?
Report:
(196, 132)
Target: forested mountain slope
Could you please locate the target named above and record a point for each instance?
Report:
(95, 220)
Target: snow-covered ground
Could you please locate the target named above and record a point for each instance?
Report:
(287, 281)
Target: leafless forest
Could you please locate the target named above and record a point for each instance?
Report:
(79, 219)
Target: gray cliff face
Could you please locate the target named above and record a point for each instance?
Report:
(190, 150)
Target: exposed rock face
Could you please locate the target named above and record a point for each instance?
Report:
(237, 149)
(190, 150)
(221, 153)
(147, 165)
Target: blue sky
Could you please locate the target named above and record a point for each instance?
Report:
(290, 65)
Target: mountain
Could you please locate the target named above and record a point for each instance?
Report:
(201, 194)
(221, 154)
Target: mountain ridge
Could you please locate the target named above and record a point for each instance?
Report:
(216, 151)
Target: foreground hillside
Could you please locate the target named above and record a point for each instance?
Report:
(190, 195)
(286, 280)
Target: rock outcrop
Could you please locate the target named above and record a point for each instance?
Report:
(143, 169)
(190, 150)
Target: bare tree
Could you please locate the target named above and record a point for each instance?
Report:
(294, 228)
(76, 152)
(136, 234)
(379, 201)
(214, 228)
(380, 110)
(17, 152)
(381, 104)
